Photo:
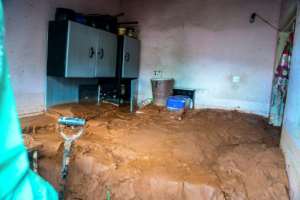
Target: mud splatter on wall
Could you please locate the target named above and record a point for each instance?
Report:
(209, 45)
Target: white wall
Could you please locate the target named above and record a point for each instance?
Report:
(203, 44)
(287, 11)
(26, 43)
(290, 141)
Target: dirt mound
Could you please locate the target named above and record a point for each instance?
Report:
(210, 154)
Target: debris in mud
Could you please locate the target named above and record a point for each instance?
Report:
(210, 154)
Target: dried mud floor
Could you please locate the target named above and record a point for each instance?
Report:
(209, 155)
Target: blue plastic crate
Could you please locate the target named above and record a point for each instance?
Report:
(176, 103)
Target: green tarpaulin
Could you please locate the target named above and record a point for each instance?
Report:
(17, 181)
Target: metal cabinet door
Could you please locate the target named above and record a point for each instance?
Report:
(81, 50)
(106, 55)
(131, 58)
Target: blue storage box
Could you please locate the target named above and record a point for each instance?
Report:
(176, 103)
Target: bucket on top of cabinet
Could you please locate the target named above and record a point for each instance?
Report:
(122, 31)
(161, 90)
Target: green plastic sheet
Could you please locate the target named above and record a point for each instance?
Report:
(17, 181)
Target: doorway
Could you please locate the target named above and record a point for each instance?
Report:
(281, 73)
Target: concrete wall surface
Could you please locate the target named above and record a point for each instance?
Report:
(290, 141)
(288, 10)
(26, 42)
(209, 45)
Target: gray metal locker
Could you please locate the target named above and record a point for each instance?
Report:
(106, 55)
(131, 55)
(81, 56)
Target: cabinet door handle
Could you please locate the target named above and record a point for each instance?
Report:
(101, 53)
(91, 52)
(127, 57)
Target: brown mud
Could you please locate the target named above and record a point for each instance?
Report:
(209, 154)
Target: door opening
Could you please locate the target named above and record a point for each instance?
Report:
(281, 73)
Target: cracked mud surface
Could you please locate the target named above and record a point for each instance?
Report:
(210, 154)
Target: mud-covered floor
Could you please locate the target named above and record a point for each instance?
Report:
(210, 154)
